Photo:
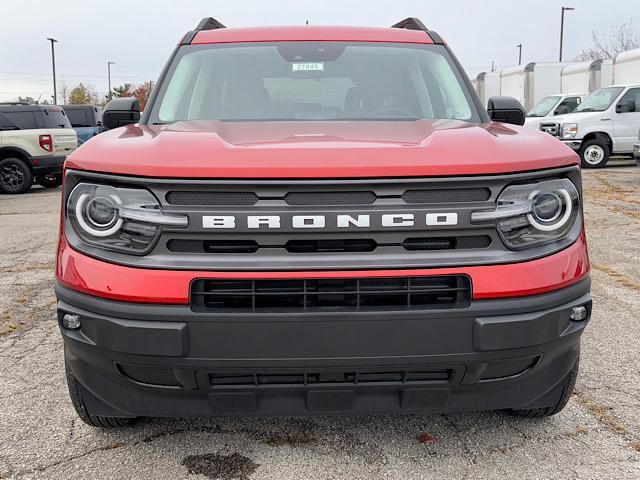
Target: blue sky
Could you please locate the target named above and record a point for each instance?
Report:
(139, 35)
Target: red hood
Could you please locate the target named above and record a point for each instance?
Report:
(331, 149)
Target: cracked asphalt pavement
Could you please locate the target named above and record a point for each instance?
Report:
(596, 437)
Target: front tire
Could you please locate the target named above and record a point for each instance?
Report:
(570, 383)
(50, 181)
(15, 176)
(594, 153)
(92, 420)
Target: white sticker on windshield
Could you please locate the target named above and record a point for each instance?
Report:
(307, 67)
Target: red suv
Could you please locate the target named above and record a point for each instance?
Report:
(319, 220)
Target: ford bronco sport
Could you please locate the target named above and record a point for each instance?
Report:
(34, 142)
(319, 220)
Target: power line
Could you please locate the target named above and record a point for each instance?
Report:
(74, 75)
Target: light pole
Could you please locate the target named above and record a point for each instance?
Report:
(53, 62)
(519, 47)
(109, 76)
(562, 27)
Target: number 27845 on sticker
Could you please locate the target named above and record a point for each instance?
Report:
(307, 67)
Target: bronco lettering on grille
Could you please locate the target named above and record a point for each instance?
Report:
(391, 220)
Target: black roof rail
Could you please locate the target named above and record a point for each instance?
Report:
(413, 23)
(207, 23)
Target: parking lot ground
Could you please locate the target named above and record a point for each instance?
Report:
(596, 437)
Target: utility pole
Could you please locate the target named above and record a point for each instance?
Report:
(562, 27)
(109, 77)
(519, 47)
(53, 62)
(493, 66)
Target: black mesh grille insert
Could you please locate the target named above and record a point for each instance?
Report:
(459, 195)
(352, 377)
(211, 198)
(447, 243)
(212, 246)
(336, 294)
(330, 198)
(330, 246)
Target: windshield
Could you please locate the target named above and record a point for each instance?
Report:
(599, 100)
(544, 106)
(312, 81)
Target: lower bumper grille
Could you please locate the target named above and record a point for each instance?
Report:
(336, 294)
(352, 378)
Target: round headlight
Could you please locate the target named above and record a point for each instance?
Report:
(98, 216)
(547, 207)
(550, 210)
(101, 212)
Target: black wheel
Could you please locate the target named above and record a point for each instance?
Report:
(594, 153)
(91, 420)
(570, 383)
(50, 181)
(15, 176)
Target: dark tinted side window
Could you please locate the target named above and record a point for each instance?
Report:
(77, 117)
(22, 120)
(54, 117)
(635, 94)
(6, 124)
(568, 105)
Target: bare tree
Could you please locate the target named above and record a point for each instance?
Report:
(620, 38)
(64, 88)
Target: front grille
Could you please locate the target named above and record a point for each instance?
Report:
(551, 128)
(326, 198)
(351, 378)
(354, 245)
(330, 198)
(336, 294)
(203, 198)
(447, 196)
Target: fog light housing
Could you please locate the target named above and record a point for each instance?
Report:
(71, 322)
(578, 314)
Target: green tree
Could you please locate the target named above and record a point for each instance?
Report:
(82, 94)
(124, 90)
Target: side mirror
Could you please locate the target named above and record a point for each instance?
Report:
(120, 112)
(506, 110)
(561, 110)
(626, 105)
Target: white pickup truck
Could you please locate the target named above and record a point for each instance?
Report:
(605, 123)
(551, 106)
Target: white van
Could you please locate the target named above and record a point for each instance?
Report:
(605, 123)
(551, 106)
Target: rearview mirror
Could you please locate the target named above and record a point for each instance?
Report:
(506, 110)
(120, 112)
(626, 105)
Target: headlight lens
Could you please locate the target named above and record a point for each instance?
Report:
(534, 214)
(120, 219)
(569, 131)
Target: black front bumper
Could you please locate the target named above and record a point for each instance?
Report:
(154, 360)
(48, 165)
